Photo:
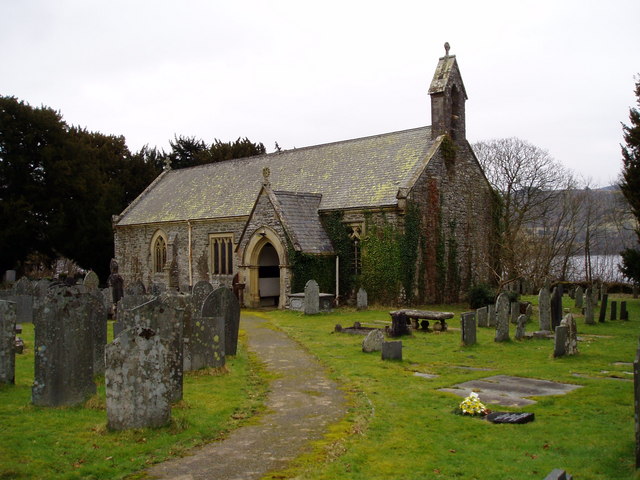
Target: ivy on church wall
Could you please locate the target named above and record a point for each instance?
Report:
(306, 267)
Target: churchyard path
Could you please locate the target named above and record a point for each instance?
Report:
(301, 404)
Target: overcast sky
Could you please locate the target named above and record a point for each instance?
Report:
(559, 74)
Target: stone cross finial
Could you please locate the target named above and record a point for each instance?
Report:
(167, 163)
(446, 49)
(266, 173)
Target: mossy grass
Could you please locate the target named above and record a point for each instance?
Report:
(74, 443)
(400, 426)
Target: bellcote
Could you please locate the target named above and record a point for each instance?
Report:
(448, 97)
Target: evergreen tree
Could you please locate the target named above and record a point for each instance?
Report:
(630, 185)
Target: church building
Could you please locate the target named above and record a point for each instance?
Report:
(241, 221)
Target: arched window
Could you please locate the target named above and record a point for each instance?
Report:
(159, 252)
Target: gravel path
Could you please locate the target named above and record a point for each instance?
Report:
(301, 404)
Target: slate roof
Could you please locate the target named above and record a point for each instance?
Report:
(359, 173)
(299, 214)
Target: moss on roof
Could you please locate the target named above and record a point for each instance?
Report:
(364, 172)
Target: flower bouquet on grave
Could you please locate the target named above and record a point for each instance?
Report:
(472, 406)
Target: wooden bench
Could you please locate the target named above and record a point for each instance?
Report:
(414, 316)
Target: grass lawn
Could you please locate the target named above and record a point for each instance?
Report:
(73, 443)
(401, 427)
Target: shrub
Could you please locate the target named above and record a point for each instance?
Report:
(480, 295)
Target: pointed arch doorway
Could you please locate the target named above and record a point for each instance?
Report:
(266, 269)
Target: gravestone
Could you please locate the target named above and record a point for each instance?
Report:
(491, 315)
(116, 282)
(311, 298)
(223, 303)
(558, 474)
(373, 341)
(635, 290)
(502, 318)
(164, 317)
(22, 287)
(544, 307)
(518, 418)
(362, 302)
(206, 343)
(96, 310)
(63, 347)
(123, 318)
(559, 346)
(514, 312)
(614, 310)
(588, 308)
(636, 403)
(7, 342)
(521, 327)
(392, 350)
(137, 380)
(529, 311)
(468, 327)
(398, 324)
(579, 296)
(158, 289)
(571, 343)
(91, 281)
(624, 313)
(10, 276)
(136, 288)
(199, 293)
(482, 314)
(603, 308)
(556, 306)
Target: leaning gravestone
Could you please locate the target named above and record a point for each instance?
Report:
(579, 296)
(614, 310)
(482, 314)
(63, 348)
(7, 342)
(373, 341)
(544, 307)
(603, 308)
(521, 327)
(223, 303)
(392, 350)
(362, 302)
(588, 308)
(468, 327)
(137, 380)
(311, 298)
(502, 318)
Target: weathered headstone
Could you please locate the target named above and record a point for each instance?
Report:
(635, 290)
(398, 324)
(556, 306)
(22, 287)
(137, 380)
(91, 281)
(502, 318)
(491, 315)
(373, 341)
(588, 308)
(521, 327)
(529, 311)
(571, 343)
(199, 293)
(223, 303)
(624, 313)
(362, 302)
(164, 317)
(7, 342)
(206, 343)
(392, 350)
(514, 312)
(603, 308)
(544, 307)
(10, 276)
(96, 310)
(559, 346)
(614, 310)
(63, 349)
(311, 298)
(558, 474)
(116, 282)
(136, 288)
(579, 296)
(482, 314)
(468, 327)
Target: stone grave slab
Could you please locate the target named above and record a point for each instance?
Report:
(509, 391)
(511, 417)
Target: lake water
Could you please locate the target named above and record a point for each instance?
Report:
(604, 267)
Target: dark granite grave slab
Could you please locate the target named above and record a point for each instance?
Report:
(511, 417)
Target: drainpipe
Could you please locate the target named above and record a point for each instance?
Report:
(337, 278)
(190, 258)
